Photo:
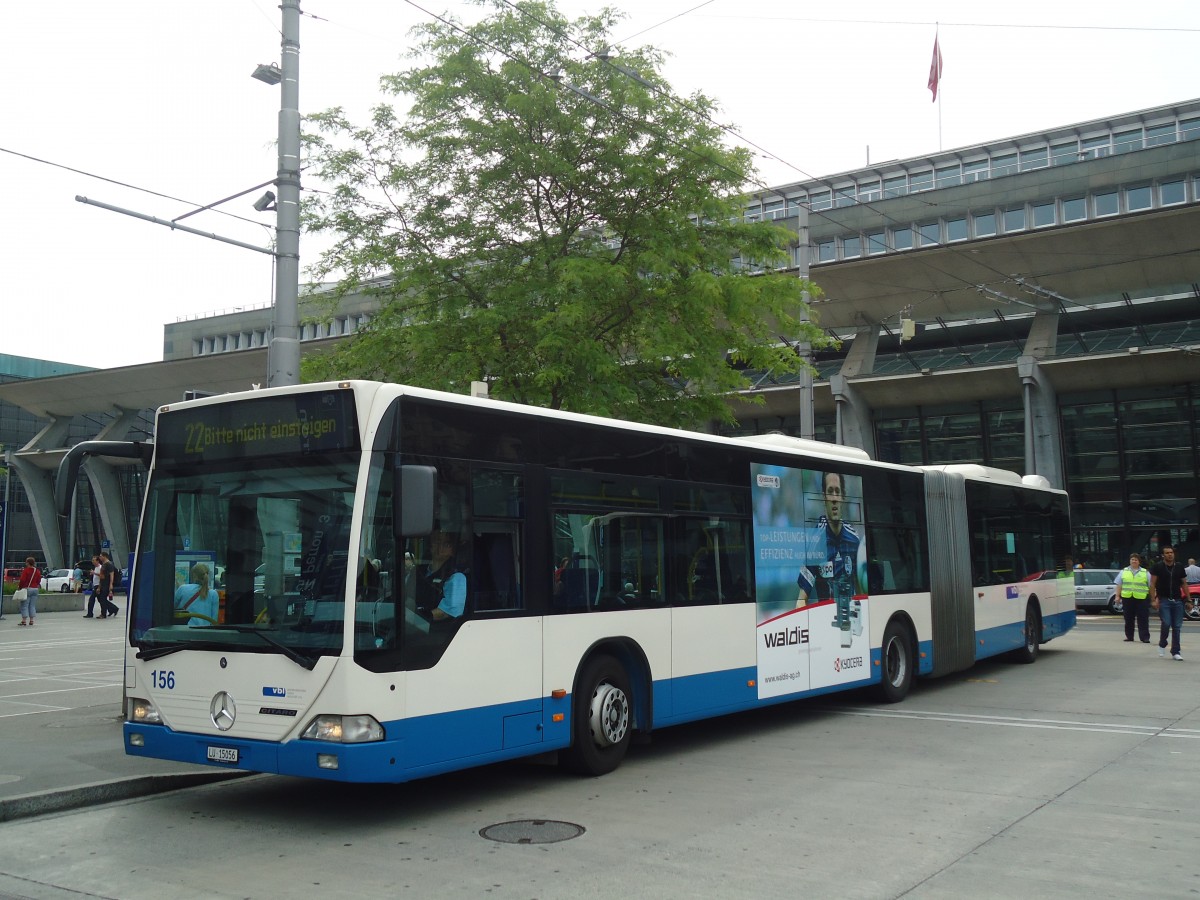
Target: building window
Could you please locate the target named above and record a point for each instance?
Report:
(851, 247)
(1094, 147)
(1138, 198)
(773, 210)
(826, 251)
(897, 186)
(948, 176)
(1014, 219)
(976, 170)
(821, 200)
(1189, 129)
(1127, 141)
(1171, 192)
(902, 238)
(930, 233)
(1107, 204)
(985, 224)
(1064, 154)
(1043, 214)
(956, 229)
(1074, 209)
(1004, 165)
(794, 204)
(920, 181)
(1035, 159)
(876, 243)
(1160, 134)
(845, 196)
(869, 192)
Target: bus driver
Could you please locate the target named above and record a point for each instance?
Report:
(442, 588)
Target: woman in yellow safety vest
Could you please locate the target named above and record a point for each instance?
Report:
(1134, 586)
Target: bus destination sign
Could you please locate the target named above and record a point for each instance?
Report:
(297, 424)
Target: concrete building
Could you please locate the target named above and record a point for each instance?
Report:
(1029, 303)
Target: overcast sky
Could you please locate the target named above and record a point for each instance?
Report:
(157, 94)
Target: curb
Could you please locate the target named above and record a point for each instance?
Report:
(38, 804)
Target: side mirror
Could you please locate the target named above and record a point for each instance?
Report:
(413, 503)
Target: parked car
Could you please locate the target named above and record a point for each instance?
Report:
(57, 580)
(12, 575)
(1097, 589)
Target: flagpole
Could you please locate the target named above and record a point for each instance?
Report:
(939, 93)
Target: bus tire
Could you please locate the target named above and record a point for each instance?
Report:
(897, 662)
(601, 718)
(1031, 635)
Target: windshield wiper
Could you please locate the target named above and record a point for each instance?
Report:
(291, 653)
(155, 652)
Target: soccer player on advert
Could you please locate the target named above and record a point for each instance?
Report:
(836, 577)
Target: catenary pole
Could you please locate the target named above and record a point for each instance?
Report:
(284, 348)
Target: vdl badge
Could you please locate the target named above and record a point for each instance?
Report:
(223, 754)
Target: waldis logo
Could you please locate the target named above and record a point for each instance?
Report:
(847, 662)
(786, 637)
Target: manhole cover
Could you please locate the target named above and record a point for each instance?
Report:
(532, 831)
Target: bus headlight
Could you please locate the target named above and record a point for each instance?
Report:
(143, 712)
(344, 729)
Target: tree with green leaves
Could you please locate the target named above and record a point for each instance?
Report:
(554, 222)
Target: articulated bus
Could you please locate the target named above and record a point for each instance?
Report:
(375, 583)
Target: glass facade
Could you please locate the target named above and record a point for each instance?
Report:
(1132, 472)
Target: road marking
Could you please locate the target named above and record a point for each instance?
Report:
(1018, 722)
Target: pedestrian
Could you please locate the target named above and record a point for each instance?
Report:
(1168, 590)
(29, 582)
(1193, 577)
(105, 586)
(77, 578)
(1133, 583)
(94, 594)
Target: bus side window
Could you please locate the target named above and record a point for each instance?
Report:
(497, 568)
(713, 562)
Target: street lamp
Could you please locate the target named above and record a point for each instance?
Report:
(268, 73)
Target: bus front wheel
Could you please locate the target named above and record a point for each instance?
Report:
(896, 660)
(601, 718)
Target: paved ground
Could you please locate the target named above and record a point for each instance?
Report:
(60, 717)
(1066, 779)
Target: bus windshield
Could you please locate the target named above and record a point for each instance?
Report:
(251, 555)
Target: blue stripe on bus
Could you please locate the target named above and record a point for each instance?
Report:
(433, 744)
(423, 745)
(1003, 638)
(414, 748)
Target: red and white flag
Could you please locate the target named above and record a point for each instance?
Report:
(935, 68)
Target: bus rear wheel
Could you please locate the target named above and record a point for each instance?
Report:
(896, 660)
(1031, 635)
(601, 719)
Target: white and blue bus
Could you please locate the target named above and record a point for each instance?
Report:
(375, 583)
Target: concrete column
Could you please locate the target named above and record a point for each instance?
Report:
(853, 416)
(1043, 435)
(106, 488)
(854, 427)
(1042, 342)
(39, 488)
(860, 358)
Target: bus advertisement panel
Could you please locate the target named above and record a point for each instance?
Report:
(810, 580)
